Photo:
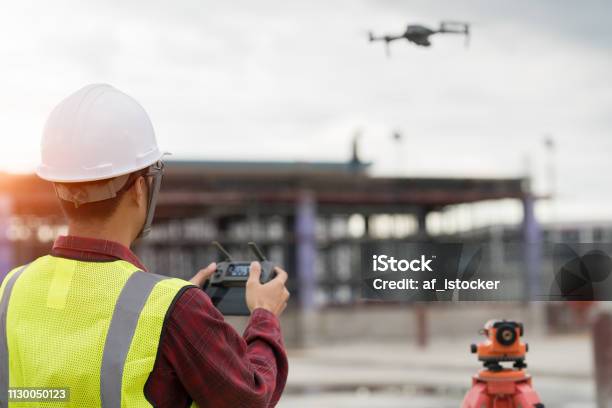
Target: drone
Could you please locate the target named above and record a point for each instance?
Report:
(419, 34)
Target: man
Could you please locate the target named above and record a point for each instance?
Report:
(89, 318)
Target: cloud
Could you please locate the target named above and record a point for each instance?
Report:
(294, 80)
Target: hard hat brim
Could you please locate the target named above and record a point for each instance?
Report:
(97, 173)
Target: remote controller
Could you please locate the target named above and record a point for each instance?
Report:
(226, 286)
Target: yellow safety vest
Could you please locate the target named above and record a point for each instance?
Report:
(91, 327)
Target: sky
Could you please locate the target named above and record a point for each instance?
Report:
(279, 80)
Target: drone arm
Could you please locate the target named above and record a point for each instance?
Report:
(385, 38)
(389, 38)
(452, 31)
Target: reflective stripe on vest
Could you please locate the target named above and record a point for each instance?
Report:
(120, 333)
(93, 327)
(4, 363)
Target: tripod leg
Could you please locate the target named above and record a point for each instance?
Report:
(477, 397)
(527, 397)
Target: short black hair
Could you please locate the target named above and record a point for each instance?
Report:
(97, 210)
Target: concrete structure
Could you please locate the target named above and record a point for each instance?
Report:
(233, 201)
(291, 210)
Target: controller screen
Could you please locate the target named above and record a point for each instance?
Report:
(238, 270)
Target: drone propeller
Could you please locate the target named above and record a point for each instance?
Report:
(459, 27)
(387, 39)
(453, 24)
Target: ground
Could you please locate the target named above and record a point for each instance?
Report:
(393, 374)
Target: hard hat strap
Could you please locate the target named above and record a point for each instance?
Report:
(79, 193)
(83, 193)
(156, 172)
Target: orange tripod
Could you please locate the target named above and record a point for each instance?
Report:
(496, 386)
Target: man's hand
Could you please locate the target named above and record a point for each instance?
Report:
(271, 296)
(203, 275)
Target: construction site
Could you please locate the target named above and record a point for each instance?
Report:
(344, 351)
(354, 145)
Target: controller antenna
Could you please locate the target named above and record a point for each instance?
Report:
(228, 257)
(255, 249)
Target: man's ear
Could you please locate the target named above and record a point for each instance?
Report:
(139, 191)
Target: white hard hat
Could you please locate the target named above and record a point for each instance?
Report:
(96, 133)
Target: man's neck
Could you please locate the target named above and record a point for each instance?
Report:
(102, 231)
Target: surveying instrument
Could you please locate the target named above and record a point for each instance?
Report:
(496, 385)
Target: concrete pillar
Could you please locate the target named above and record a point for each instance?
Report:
(422, 222)
(306, 249)
(6, 246)
(602, 348)
(305, 252)
(532, 238)
(422, 328)
(367, 222)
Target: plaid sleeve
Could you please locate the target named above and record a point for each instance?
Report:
(202, 358)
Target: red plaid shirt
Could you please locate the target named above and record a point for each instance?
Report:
(202, 358)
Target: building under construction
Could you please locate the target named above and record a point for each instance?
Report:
(297, 212)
